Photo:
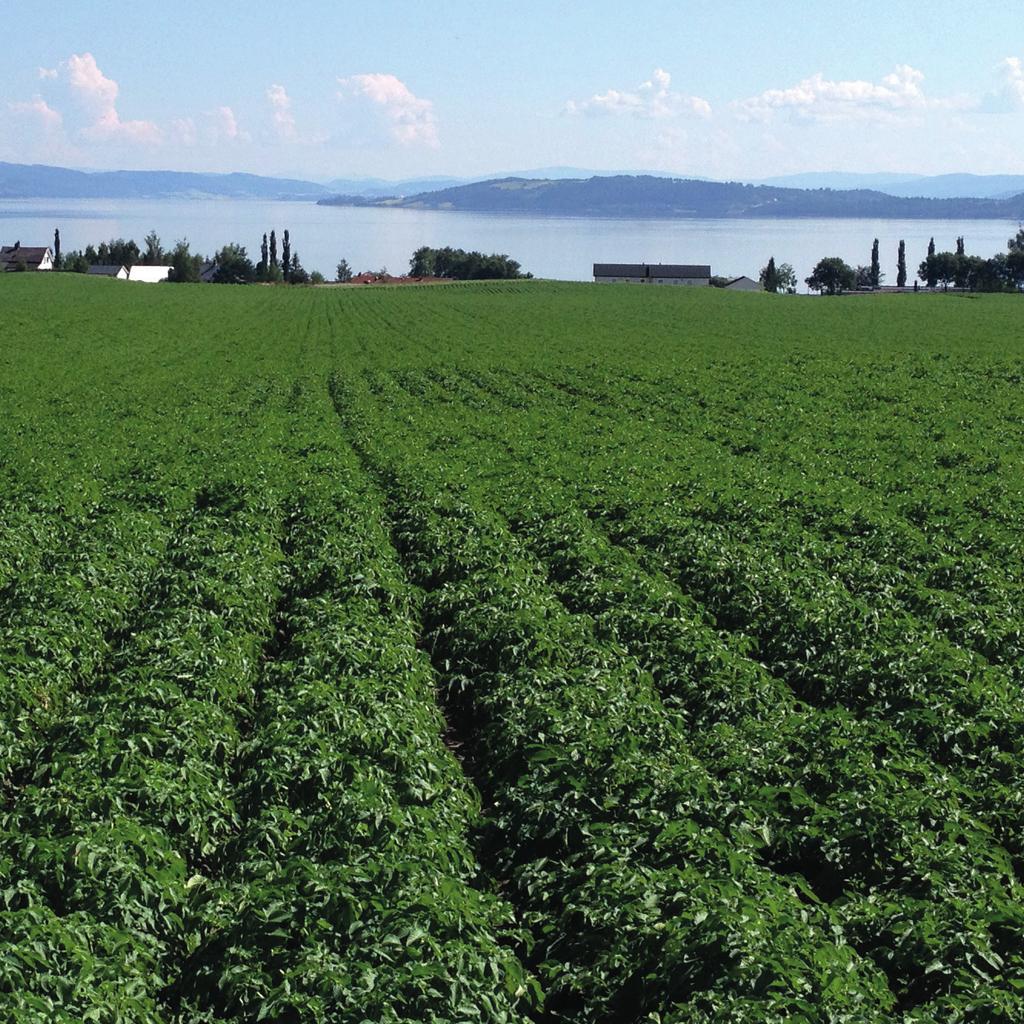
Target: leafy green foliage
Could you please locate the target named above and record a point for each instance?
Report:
(832, 276)
(781, 278)
(185, 265)
(233, 265)
(117, 252)
(491, 652)
(462, 266)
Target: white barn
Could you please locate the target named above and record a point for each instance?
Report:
(151, 275)
(693, 275)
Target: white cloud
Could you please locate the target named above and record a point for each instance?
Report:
(216, 126)
(410, 119)
(38, 108)
(1009, 94)
(652, 99)
(281, 112)
(93, 89)
(222, 126)
(110, 128)
(97, 95)
(184, 132)
(822, 100)
(92, 120)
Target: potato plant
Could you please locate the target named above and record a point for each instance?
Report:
(509, 651)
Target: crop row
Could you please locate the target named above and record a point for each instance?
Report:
(70, 587)
(127, 792)
(237, 804)
(831, 646)
(962, 581)
(349, 890)
(879, 822)
(638, 876)
(851, 803)
(875, 528)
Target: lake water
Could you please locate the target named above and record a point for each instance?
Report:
(553, 247)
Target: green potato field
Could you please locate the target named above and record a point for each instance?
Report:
(512, 652)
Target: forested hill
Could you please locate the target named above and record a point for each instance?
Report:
(646, 196)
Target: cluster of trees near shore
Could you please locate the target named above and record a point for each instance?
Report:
(124, 252)
(460, 265)
(231, 264)
(1003, 272)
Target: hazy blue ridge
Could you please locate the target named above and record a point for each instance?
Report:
(648, 196)
(38, 181)
(937, 186)
(380, 188)
(568, 191)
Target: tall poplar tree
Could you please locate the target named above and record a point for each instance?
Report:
(963, 264)
(56, 248)
(876, 267)
(273, 248)
(264, 256)
(901, 265)
(933, 277)
(286, 255)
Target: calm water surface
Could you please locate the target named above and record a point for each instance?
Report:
(554, 247)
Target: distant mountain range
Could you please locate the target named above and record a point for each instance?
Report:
(381, 188)
(566, 190)
(37, 181)
(939, 186)
(652, 197)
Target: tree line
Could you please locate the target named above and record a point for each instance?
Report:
(460, 265)
(231, 264)
(116, 252)
(999, 273)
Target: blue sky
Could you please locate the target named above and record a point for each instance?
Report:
(395, 89)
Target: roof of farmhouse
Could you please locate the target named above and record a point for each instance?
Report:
(651, 270)
(30, 255)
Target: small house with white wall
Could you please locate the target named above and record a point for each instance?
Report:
(150, 275)
(115, 270)
(742, 284)
(29, 257)
(653, 273)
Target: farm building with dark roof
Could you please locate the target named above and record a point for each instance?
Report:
(117, 270)
(652, 273)
(13, 257)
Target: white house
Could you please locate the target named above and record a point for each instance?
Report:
(652, 273)
(12, 257)
(151, 275)
(115, 270)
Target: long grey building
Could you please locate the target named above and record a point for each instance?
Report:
(652, 273)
